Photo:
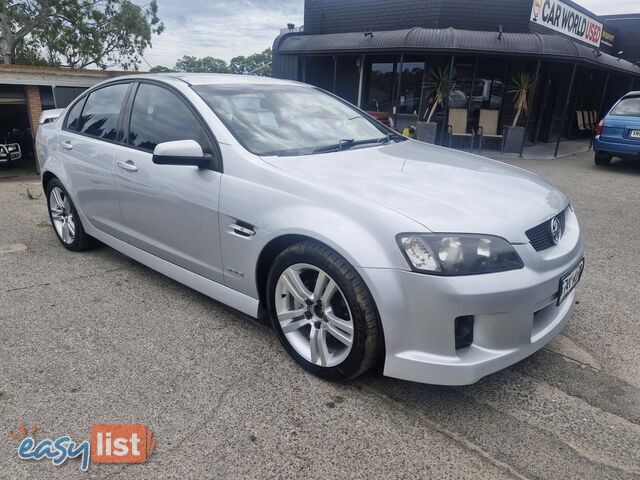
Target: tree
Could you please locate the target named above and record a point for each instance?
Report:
(442, 84)
(77, 33)
(256, 64)
(519, 88)
(161, 69)
(190, 63)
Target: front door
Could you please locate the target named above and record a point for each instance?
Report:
(169, 211)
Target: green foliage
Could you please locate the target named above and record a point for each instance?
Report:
(28, 54)
(77, 33)
(256, 64)
(520, 86)
(190, 63)
(161, 69)
(441, 84)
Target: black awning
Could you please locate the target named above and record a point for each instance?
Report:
(450, 40)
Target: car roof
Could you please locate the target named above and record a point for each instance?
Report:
(632, 94)
(208, 78)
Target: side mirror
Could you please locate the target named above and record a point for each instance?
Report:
(181, 152)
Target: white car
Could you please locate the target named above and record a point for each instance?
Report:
(49, 116)
(279, 199)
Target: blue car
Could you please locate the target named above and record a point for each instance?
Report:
(618, 133)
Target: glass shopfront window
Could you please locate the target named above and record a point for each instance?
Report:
(381, 84)
(411, 80)
(381, 75)
(488, 87)
(462, 78)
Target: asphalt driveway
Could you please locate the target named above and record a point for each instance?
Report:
(97, 338)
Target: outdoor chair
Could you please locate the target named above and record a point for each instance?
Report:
(587, 120)
(580, 117)
(458, 125)
(488, 127)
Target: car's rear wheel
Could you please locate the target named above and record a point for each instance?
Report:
(64, 218)
(602, 158)
(323, 312)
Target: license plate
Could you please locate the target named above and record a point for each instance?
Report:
(634, 133)
(569, 280)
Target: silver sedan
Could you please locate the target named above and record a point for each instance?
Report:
(279, 199)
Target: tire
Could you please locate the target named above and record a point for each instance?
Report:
(602, 159)
(65, 220)
(350, 304)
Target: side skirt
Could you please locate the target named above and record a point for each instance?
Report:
(215, 290)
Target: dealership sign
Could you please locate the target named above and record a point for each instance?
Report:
(562, 18)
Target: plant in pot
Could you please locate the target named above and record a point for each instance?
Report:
(440, 83)
(520, 88)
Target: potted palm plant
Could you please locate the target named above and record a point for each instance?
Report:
(520, 88)
(440, 83)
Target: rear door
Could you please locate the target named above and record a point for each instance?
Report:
(89, 148)
(622, 124)
(170, 211)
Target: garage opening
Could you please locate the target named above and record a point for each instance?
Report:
(15, 129)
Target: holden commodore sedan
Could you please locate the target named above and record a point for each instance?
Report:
(279, 199)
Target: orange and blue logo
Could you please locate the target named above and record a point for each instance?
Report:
(110, 443)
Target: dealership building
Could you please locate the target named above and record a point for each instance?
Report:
(385, 55)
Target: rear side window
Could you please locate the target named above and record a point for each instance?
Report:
(159, 115)
(102, 110)
(73, 119)
(628, 107)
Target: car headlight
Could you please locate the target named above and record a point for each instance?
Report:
(11, 148)
(458, 253)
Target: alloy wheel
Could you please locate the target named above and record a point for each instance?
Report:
(62, 215)
(314, 315)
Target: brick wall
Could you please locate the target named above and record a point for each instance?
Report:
(34, 108)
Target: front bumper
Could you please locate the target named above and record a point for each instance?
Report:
(515, 314)
(13, 156)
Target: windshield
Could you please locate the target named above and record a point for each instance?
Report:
(290, 119)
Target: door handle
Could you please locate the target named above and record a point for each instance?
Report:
(128, 165)
(242, 231)
(67, 145)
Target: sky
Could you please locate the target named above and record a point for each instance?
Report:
(227, 28)
(219, 28)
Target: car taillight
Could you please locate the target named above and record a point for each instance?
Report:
(599, 127)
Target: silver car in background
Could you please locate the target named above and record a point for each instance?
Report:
(279, 199)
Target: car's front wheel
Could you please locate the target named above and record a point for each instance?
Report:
(602, 158)
(64, 218)
(323, 312)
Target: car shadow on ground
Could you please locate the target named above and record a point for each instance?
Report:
(619, 165)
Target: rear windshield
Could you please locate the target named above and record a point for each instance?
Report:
(628, 107)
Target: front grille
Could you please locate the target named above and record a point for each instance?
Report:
(540, 235)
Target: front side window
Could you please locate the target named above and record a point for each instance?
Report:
(102, 111)
(628, 107)
(159, 116)
(288, 119)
